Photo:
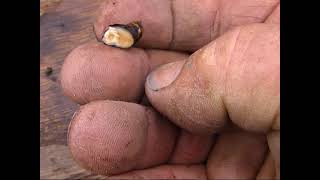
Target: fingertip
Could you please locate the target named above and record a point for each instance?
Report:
(94, 71)
(108, 137)
(112, 137)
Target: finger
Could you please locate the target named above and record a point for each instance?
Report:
(267, 170)
(166, 172)
(235, 77)
(181, 24)
(191, 148)
(274, 16)
(237, 155)
(94, 71)
(112, 137)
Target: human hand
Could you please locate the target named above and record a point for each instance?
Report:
(228, 87)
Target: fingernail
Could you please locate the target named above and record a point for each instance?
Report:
(164, 75)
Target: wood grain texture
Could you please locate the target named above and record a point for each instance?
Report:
(64, 25)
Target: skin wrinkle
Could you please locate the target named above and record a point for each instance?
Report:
(273, 9)
(173, 16)
(226, 76)
(209, 56)
(227, 71)
(215, 25)
(243, 65)
(270, 12)
(257, 6)
(218, 20)
(239, 15)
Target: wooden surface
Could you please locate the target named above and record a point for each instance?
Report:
(64, 24)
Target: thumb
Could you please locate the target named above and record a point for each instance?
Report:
(235, 77)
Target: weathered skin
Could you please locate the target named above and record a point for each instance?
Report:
(229, 75)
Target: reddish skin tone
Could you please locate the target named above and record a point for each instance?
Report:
(229, 86)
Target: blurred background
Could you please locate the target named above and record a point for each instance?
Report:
(64, 25)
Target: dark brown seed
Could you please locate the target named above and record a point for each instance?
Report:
(122, 35)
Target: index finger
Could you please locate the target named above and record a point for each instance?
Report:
(182, 24)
